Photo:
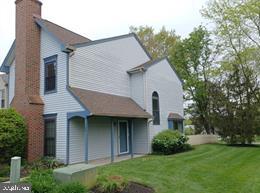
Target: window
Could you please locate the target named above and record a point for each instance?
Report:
(156, 109)
(50, 72)
(50, 136)
(2, 98)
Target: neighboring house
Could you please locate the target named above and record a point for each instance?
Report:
(85, 100)
(3, 91)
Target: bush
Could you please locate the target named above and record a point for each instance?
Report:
(12, 135)
(45, 163)
(42, 181)
(73, 187)
(189, 131)
(170, 142)
(111, 184)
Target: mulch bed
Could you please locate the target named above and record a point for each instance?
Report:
(133, 187)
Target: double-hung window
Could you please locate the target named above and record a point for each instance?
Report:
(50, 136)
(50, 74)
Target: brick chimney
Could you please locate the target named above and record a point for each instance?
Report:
(27, 98)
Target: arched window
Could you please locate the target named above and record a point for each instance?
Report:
(156, 109)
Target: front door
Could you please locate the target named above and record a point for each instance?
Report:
(123, 133)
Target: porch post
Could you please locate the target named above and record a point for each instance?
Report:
(132, 138)
(112, 141)
(68, 142)
(86, 138)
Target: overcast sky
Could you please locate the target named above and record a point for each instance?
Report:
(97, 19)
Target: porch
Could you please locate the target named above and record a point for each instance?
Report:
(110, 126)
(102, 139)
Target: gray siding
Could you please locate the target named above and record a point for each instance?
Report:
(103, 67)
(60, 102)
(162, 79)
(140, 145)
(100, 138)
(11, 83)
(137, 88)
(76, 144)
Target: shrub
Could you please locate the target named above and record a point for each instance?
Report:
(42, 181)
(45, 163)
(73, 187)
(12, 135)
(170, 142)
(111, 184)
(189, 131)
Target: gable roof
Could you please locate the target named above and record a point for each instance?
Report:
(66, 36)
(63, 35)
(78, 45)
(8, 59)
(102, 104)
(146, 65)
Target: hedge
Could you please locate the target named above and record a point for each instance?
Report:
(13, 135)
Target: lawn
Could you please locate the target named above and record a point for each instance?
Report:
(206, 169)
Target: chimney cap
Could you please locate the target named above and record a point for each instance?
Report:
(37, 1)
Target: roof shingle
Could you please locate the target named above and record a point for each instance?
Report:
(102, 104)
(64, 35)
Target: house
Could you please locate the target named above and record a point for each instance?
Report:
(3, 90)
(86, 100)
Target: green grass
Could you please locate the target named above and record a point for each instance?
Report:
(207, 169)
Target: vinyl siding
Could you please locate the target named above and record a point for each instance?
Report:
(137, 88)
(11, 83)
(103, 67)
(99, 143)
(162, 79)
(60, 102)
(76, 143)
(140, 145)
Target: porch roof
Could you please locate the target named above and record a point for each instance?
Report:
(175, 116)
(103, 104)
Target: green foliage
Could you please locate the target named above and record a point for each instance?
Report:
(12, 135)
(111, 184)
(158, 44)
(73, 187)
(189, 131)
(193, 58)
(170, 142)
(45, 163)
(42, 181)
(236, 92)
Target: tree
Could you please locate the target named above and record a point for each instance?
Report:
(236, 102)
(193, 58)
(158, 44)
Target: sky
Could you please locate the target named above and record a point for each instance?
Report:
(96, 19)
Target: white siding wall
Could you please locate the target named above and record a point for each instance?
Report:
(99, 138)
(76, 144)
(99, 143)
(11, 83)
(103, 67)
(140, 145)
(162, 79)
(60, 102)
(137, 88)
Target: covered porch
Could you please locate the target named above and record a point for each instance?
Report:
(113, 129)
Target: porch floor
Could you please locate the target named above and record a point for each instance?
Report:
(105, 161)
